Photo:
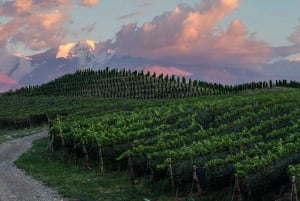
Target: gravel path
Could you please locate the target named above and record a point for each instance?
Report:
(14, 184)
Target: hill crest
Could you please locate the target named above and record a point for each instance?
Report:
(114, 83)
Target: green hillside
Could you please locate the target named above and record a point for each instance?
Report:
(256, 137)
(112, 83)
(167, 130)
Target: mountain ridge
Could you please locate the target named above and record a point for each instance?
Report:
(43, 67)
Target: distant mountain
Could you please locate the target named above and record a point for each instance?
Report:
(65, 59)
(68, 58)
(44, 67)
(86, 54)
(15, 66)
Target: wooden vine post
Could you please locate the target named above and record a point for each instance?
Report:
(63, 143)
(101, 163)
(75, 152)
(131, 170)
(151, 174)
(85, 154)
(29, 121)
(151, 178)
(294, 189)
(170, 170)
(52, 138)
(196, 180)
(48, 118)
(237, 188)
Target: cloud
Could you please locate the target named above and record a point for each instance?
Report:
(7, 83)
(284, 53)
(285, 69)
(187, 35)
(89, 3)
(146, 4)
(130, 15)
(170, 70)
(295, 59)
(15, 65)
(295, 36)
(89, 28)
(219, 76)
(46, 32)
(5, 80)
(37, 24)
(64, 50)
(22, 5)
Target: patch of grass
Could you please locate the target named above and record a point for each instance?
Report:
(79, 183)
(8, 134)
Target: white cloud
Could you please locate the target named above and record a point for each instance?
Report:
(187, 35)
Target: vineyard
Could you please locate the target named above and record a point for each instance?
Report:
(122, 84)
(254, 138)
(194, 136)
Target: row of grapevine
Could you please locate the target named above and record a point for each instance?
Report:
(138, 85)
(256, 137)
(19, 112)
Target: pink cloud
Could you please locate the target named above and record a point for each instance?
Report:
(23, 5)
(37, 24)
(46, 32)
(89, 28)
(166, 70)
(295, 36)
(7, 83)
(187, 36)
(130, 15)
(89, 3)
(296, 59)
(4, 79)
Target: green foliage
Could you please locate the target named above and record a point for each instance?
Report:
(74, 182)
(254, 136)
(113, 83)
(113, 116)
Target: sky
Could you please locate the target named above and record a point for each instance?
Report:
(213, 37)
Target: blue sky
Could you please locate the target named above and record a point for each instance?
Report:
(271, 21)
(227, 41)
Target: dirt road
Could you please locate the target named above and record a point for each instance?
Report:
(14, 184)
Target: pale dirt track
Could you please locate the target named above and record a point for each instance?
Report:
(14, 184)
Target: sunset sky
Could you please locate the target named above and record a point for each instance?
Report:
(209, 35)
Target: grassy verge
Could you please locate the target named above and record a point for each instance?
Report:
(6, 134)
(77, 183)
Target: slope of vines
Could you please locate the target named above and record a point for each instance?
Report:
(256, 137)
(22, 111)
(168, 127)
(122, 84)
